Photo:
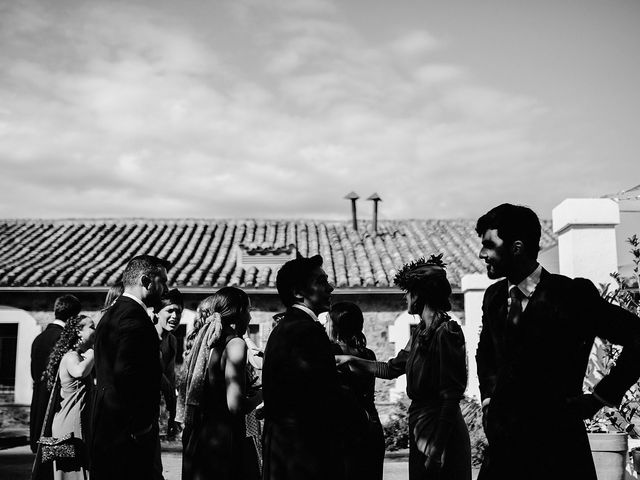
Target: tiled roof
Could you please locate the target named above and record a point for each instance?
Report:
(81, 253)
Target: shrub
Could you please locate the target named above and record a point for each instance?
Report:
(604, 354)
(396, 430)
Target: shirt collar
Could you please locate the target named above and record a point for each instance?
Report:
(307, 310)
(139, 302)
(529, 284)
(59, 323)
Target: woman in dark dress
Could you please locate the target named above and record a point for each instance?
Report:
(434, 361)
(365, 446)
(214, 440)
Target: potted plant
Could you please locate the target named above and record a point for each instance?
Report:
(610, 428)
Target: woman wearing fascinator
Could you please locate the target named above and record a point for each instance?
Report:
(434, 361)
(215, 444)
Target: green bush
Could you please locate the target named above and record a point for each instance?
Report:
(603, 356)
(396, 430)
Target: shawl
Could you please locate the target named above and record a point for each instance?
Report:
(197, 365)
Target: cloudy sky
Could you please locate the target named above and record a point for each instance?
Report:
(278, 108)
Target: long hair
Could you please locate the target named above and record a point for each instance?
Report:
(69, 340)
(220, 310)
(228, 302)
(115, 291)
(204, 311)
(347, 323)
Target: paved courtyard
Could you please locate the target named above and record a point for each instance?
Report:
(15, 464)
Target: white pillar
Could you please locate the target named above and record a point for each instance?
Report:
(473, 287)
(399, 334)
(587, 238)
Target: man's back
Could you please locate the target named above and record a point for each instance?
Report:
(300, 390)
(128, 387)
(40, 350)
(299, 373)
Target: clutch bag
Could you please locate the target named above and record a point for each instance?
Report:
(58, 448)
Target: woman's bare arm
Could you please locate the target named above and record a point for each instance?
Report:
(235, 375)
(76, 365)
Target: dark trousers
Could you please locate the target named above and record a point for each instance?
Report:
(123, 458)
(295, 451)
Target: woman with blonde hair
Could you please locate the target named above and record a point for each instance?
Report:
(217, 395)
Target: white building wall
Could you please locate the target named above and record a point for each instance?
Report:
(28, 330)
(473, 288)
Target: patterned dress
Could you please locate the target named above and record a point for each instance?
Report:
(70, 418)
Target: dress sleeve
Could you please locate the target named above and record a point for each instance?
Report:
(453, 362)
(396, 366)
(453, 379)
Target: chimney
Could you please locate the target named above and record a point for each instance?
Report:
(353, 196)
(375, 198)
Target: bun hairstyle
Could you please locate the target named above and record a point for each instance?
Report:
(347, 323)
(427, 280)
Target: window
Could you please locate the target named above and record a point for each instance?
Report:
(8, 350)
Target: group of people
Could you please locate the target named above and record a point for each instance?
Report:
(304, 408)
(65, 381)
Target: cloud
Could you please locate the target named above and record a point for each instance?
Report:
(415, 43)
(435, 73)
(128, 110)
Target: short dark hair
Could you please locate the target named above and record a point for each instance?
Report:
(172, 297)
(294, 276)
(65, 307)
(347, 323)
(142, 265)
(513, 222)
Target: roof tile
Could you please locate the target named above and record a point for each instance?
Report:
(203, 252)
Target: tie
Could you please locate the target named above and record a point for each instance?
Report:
(515, 310)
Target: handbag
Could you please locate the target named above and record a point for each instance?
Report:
(62, 448)
(52, 448)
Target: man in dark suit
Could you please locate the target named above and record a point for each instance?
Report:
(127, 363)
(299, 381)
(65, 307)
(537, 331)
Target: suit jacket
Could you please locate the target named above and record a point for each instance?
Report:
(301, 401)
(40, 350)
(530, 372)
(127, 400)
